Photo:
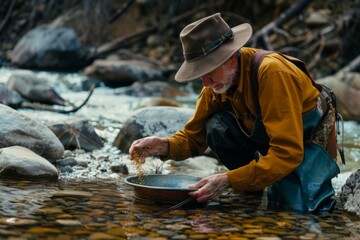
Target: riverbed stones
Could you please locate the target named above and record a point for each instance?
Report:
(18, 161)
(17, 129)
(158, 121)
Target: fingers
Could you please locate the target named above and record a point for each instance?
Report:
(136, 151)
(210, 187)
(142, 148)
(202, 194)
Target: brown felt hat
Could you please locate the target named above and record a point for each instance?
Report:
(208, 43)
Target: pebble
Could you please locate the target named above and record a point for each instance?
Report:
(17, 221)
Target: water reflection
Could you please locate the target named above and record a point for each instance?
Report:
(22, 198)
(106, 209)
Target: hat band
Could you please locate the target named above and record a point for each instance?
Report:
(209, 47)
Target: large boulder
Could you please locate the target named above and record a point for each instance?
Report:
(20, 162)
(18, 129)
(159, 121)
(120, 73)
(51, 48)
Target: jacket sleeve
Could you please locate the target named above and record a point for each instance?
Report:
(281, 97)
(191, 141)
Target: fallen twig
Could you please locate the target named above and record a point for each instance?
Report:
(43, 107)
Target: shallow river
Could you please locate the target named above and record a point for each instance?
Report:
(93, 203)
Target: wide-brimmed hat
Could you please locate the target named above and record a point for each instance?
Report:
(208, 43)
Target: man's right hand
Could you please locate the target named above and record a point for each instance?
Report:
(148, 146)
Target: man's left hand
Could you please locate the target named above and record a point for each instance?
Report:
(210, 187)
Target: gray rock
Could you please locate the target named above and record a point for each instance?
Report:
(69, 161)
(21, 162)
(350, 193)
(152, 88)
(77, 134)
(159, 121)
(33, 88)
(10, 97)
(123, 73)
(46, 47)
(18, 129)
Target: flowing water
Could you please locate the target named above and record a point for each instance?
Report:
(94, 203)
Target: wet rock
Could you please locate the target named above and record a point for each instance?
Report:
(77, 134)
(152, 88)
(68, 222)
(51, 48)
(347, 90)
(66, 169)
(18, 129)
(10, 97)
(69, 161)
(33, 88)
(100, 236)
(21, 162)
(122, 168)
(43, 230)
(123, 73)
(17, 221)
(159, 121)
(160, 102)
(72, 193)
(350, 193)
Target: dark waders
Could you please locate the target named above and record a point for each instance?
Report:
(307, 189)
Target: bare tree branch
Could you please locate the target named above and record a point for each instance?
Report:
(8, 15)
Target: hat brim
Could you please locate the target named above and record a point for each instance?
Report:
(191, 70)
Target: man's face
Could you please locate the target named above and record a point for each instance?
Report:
(222, 78)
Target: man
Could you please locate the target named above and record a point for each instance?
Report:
(259, 128)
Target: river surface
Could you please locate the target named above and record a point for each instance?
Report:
(95, 203)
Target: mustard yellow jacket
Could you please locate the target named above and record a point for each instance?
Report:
(285, 93)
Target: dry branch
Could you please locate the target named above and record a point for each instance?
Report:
(262, 34)
(125, 41)
(43, 107)
(8, 15)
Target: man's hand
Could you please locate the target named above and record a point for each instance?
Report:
(210, 187)
(148, 146)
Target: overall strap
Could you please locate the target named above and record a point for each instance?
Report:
(256, 60)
